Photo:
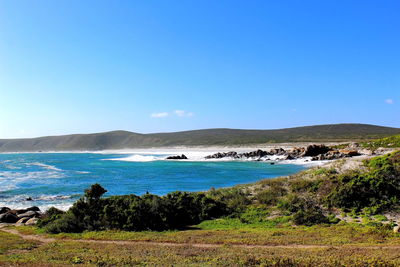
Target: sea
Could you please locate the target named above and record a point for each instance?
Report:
(59, 179)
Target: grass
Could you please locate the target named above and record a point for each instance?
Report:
(387, 142)
(13, 243)
(347, 244)
(232, 231)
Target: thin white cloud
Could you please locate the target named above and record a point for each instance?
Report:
(159, 115)
(183, 113)
(178, 112)
(389, 101)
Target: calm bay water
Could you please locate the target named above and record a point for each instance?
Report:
(58, 179)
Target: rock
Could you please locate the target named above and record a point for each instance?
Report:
(277, 151)
(350, 153)
(22, 221)
(231, 154)
(297, 152)
(177, 157)
(396, 229)
(33, 208)
(289, 157)
(16, 212)
(8, 218)
(29, 214)
(4, 210)
(28, 199)
(353, 145)
(315, 150)
(32, 221)
(256, 154)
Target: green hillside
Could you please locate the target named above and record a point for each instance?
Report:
(207, 137)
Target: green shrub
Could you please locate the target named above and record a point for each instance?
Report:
(293, 203)
(390, 142)
(254, 214)
(148, 212)
(234, 199)
(310, 217)
(65, 224)
(303, 185)
(49, 216)
(378, 188)
(270, 196)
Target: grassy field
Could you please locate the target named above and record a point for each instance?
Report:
(231, 232)
(321, 245)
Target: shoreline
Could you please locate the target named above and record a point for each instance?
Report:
(239, 148)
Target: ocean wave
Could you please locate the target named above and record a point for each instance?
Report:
(44, 202)
(9, 180)
(45, 166)
(138, 158)
(51, 198)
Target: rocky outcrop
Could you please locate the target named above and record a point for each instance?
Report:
(22, 221)
(177, 157)
(20, 216)
(231, 154)
(313, 152)
(32, 221)
(8, 218)
(4, 210)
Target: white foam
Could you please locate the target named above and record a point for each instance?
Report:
(137, 158)
(46, 166)
(9, 180)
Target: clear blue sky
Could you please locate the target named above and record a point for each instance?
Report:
(154, 66)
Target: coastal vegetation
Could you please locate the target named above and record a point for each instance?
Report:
(316, 196)
(387, 142)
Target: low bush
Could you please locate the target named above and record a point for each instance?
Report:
(235, 199)
(377, 189)
(310, 217)
(49, 216)
(271, 196)
(148, 212)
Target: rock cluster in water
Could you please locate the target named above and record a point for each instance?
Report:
(313, 152)
(177, 157)
(28, 216)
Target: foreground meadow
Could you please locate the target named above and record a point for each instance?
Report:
(221, 243)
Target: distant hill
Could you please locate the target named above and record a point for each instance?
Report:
(207, 137)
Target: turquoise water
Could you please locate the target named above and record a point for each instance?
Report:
(58, 179)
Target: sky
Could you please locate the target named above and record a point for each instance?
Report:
(71, 66)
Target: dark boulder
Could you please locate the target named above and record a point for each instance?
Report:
(33, 208)
(8, 218)
(16, 212)
(177, 157)
(29, 214)
(315, 150)
(277, 151)
(289, 157)
(4, 210)
(231, 154)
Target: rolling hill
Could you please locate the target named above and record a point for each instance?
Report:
(206, 137)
